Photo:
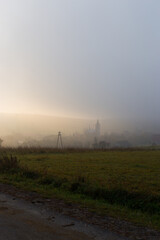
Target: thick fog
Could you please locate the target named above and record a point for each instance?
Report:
(95, 59)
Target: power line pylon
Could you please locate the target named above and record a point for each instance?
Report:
(59, 140)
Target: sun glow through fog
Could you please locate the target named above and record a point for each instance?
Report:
(80, 58)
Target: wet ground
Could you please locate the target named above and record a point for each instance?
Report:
(26, 215)
(23, 220)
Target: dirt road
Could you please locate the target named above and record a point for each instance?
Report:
(20, 219)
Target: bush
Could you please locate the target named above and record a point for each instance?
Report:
(9, 163)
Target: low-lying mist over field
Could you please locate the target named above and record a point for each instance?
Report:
(35, 124)
(33, 129)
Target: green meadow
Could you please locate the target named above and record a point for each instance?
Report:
(123, 184)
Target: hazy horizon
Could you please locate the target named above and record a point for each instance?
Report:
(82, 59)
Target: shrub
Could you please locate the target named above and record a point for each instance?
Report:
(9, 163)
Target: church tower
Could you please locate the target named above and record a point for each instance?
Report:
(97, 129)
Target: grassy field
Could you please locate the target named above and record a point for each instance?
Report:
(123, 184)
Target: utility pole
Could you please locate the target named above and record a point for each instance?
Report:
(59, 140)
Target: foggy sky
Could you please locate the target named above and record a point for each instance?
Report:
(81, 58)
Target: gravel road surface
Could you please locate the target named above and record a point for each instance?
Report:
(20, 219)
(27, 215)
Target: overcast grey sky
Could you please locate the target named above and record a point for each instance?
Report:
(81, 58)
